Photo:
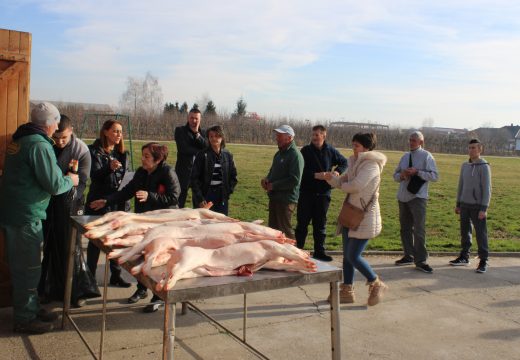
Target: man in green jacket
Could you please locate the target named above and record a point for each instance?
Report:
(283, 181)
(31, 175)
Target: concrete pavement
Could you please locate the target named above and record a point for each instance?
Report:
(452, 313)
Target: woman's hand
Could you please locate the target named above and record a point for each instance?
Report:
(115, 164)
(98, 204)
(141, 195)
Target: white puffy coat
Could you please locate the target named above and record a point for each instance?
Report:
(360, 182)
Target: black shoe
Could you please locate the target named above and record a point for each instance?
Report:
(322, 256)
(151, 308)
(460, 261)
(35, 326)
(482, 266)
(405, 260)
(118, 281)
(424, 268)
(46, 316)
(79, 303)
(138, 295)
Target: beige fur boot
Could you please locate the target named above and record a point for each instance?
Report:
(376, 290)
(346, 294)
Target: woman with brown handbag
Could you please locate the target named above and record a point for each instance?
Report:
(361, 183)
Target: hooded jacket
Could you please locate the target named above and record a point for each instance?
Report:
(31, 175)
(361, 182)
(474, 188)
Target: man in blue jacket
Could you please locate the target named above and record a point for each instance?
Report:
(31, 176)
(314, 199)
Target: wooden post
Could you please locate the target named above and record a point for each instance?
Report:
(15, 65)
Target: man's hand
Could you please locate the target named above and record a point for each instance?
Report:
(74, 177)
(141, 195)
(457, 210)
(264, 183)
(482, 215)
(98, 204)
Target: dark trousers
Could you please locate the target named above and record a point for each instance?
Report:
(184, 182)
(23, 255)
(280, 215)
(214, 195)
(412, 217)
(92, 260)
(468, 217)
(312, 207)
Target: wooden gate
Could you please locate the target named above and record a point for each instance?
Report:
(15, 64)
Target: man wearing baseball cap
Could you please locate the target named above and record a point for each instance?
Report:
(31, 175)
(282, 183)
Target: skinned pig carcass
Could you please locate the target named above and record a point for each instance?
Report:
(119, 223)
(195, 261)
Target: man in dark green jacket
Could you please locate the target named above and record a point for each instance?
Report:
(31, 176)
(283, 181)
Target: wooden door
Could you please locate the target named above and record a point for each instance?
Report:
(15, 63)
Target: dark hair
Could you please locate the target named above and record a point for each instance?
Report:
(367, 140)
(220, 132)
(319, 127)
(159, 152)
(65, 123)
(107, 125)
(475, 141)
(194, 111)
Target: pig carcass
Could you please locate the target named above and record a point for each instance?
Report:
(193, 261)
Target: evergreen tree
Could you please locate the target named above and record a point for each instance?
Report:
(184, 108)
(241, 108)
(211, 109)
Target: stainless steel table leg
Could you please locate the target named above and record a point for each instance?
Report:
(169, 329)
(184, 309)
(104, 313)
(74, 235)
(244, 330)
(334, 321)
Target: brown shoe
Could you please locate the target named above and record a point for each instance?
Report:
(346, 294)
(376, 290)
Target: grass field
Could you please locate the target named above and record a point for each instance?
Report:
(249, 202)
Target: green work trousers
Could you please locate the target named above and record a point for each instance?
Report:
(24, 258)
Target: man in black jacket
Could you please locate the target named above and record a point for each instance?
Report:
(190, 140)
(314, 199)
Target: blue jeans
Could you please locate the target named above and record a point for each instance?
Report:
(220, 204)
(352, 250)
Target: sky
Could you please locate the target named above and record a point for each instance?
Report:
(400, 63)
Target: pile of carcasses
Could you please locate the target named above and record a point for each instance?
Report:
(195, 242)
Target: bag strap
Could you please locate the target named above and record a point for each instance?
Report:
(410, 160)
(366, 206)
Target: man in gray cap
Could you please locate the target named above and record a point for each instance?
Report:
(282, 183)
(31, 176)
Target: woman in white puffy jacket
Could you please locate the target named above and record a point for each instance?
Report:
(361, 183)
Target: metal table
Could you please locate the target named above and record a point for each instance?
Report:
(202, 288)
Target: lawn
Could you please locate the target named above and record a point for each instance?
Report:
(249, 202)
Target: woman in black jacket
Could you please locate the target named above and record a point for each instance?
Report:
(214, 175)
(109, 164)
(154, 186)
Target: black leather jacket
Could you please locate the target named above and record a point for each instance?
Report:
(162, 186)
(188, 145)
(203, 169)
(104, 181)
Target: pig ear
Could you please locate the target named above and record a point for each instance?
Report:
(258, 222)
